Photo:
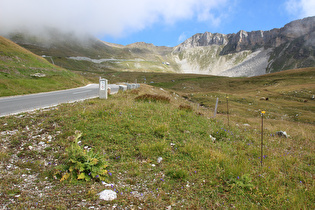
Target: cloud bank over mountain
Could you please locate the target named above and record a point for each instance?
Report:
(98, 17)
(301, 8)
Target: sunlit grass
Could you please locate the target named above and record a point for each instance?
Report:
(194, 172)
(17, 65)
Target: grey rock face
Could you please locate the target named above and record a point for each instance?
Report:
(250, 53)
(204, 39)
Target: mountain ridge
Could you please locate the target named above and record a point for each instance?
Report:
(295, 41)
(240, 54)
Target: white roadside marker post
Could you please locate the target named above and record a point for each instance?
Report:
(103, 86)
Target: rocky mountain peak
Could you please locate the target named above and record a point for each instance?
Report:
(204, 39)
(250, 53)
(251, 40)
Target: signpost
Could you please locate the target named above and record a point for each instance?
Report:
(227, 110)
(262, 138)
(216, 108)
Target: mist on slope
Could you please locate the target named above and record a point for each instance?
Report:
(100, 18)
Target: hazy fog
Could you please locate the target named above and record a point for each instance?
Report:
(102, 17)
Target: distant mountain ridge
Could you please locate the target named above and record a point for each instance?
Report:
(240, 54)
(292, 46)
(251, 40)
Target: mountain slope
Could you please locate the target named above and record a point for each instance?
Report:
(87, 53)
(24, 72)
(241, 54)
(249, 53)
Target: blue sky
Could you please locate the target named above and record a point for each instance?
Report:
(161, 22)
(248, 15)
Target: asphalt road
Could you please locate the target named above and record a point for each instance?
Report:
(17, 104)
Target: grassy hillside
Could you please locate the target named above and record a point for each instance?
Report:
(289, 94)
(40, 158)
(18, 69)
(60, 47)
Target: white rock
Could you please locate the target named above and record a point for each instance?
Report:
(41, 143)
(159, 160)
(282, 133)
(108, 195)
(107, 185)
(212, 138)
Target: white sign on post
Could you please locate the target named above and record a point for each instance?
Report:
(103, 89)
(102, 84)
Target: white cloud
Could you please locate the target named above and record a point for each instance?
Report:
(100, 17)
(301, 8)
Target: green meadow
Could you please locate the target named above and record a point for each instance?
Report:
(18, 67)
(155, 146)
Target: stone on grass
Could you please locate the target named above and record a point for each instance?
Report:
(38, 75)
(159, 160)
(212, 138)
(282, 134)
(108, 195)
(107, 185)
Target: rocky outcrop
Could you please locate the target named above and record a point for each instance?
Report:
(205, 39)
(269, 39)
(292, 46)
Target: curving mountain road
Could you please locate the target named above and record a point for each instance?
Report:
(17, 104)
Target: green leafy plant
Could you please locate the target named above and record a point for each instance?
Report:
(244, 182)
(82, 164)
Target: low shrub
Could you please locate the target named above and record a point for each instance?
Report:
(185, 107)
(153, 98)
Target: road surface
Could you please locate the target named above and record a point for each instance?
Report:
(17, 104)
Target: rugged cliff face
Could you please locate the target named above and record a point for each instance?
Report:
(201, 40)
(249, 53)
